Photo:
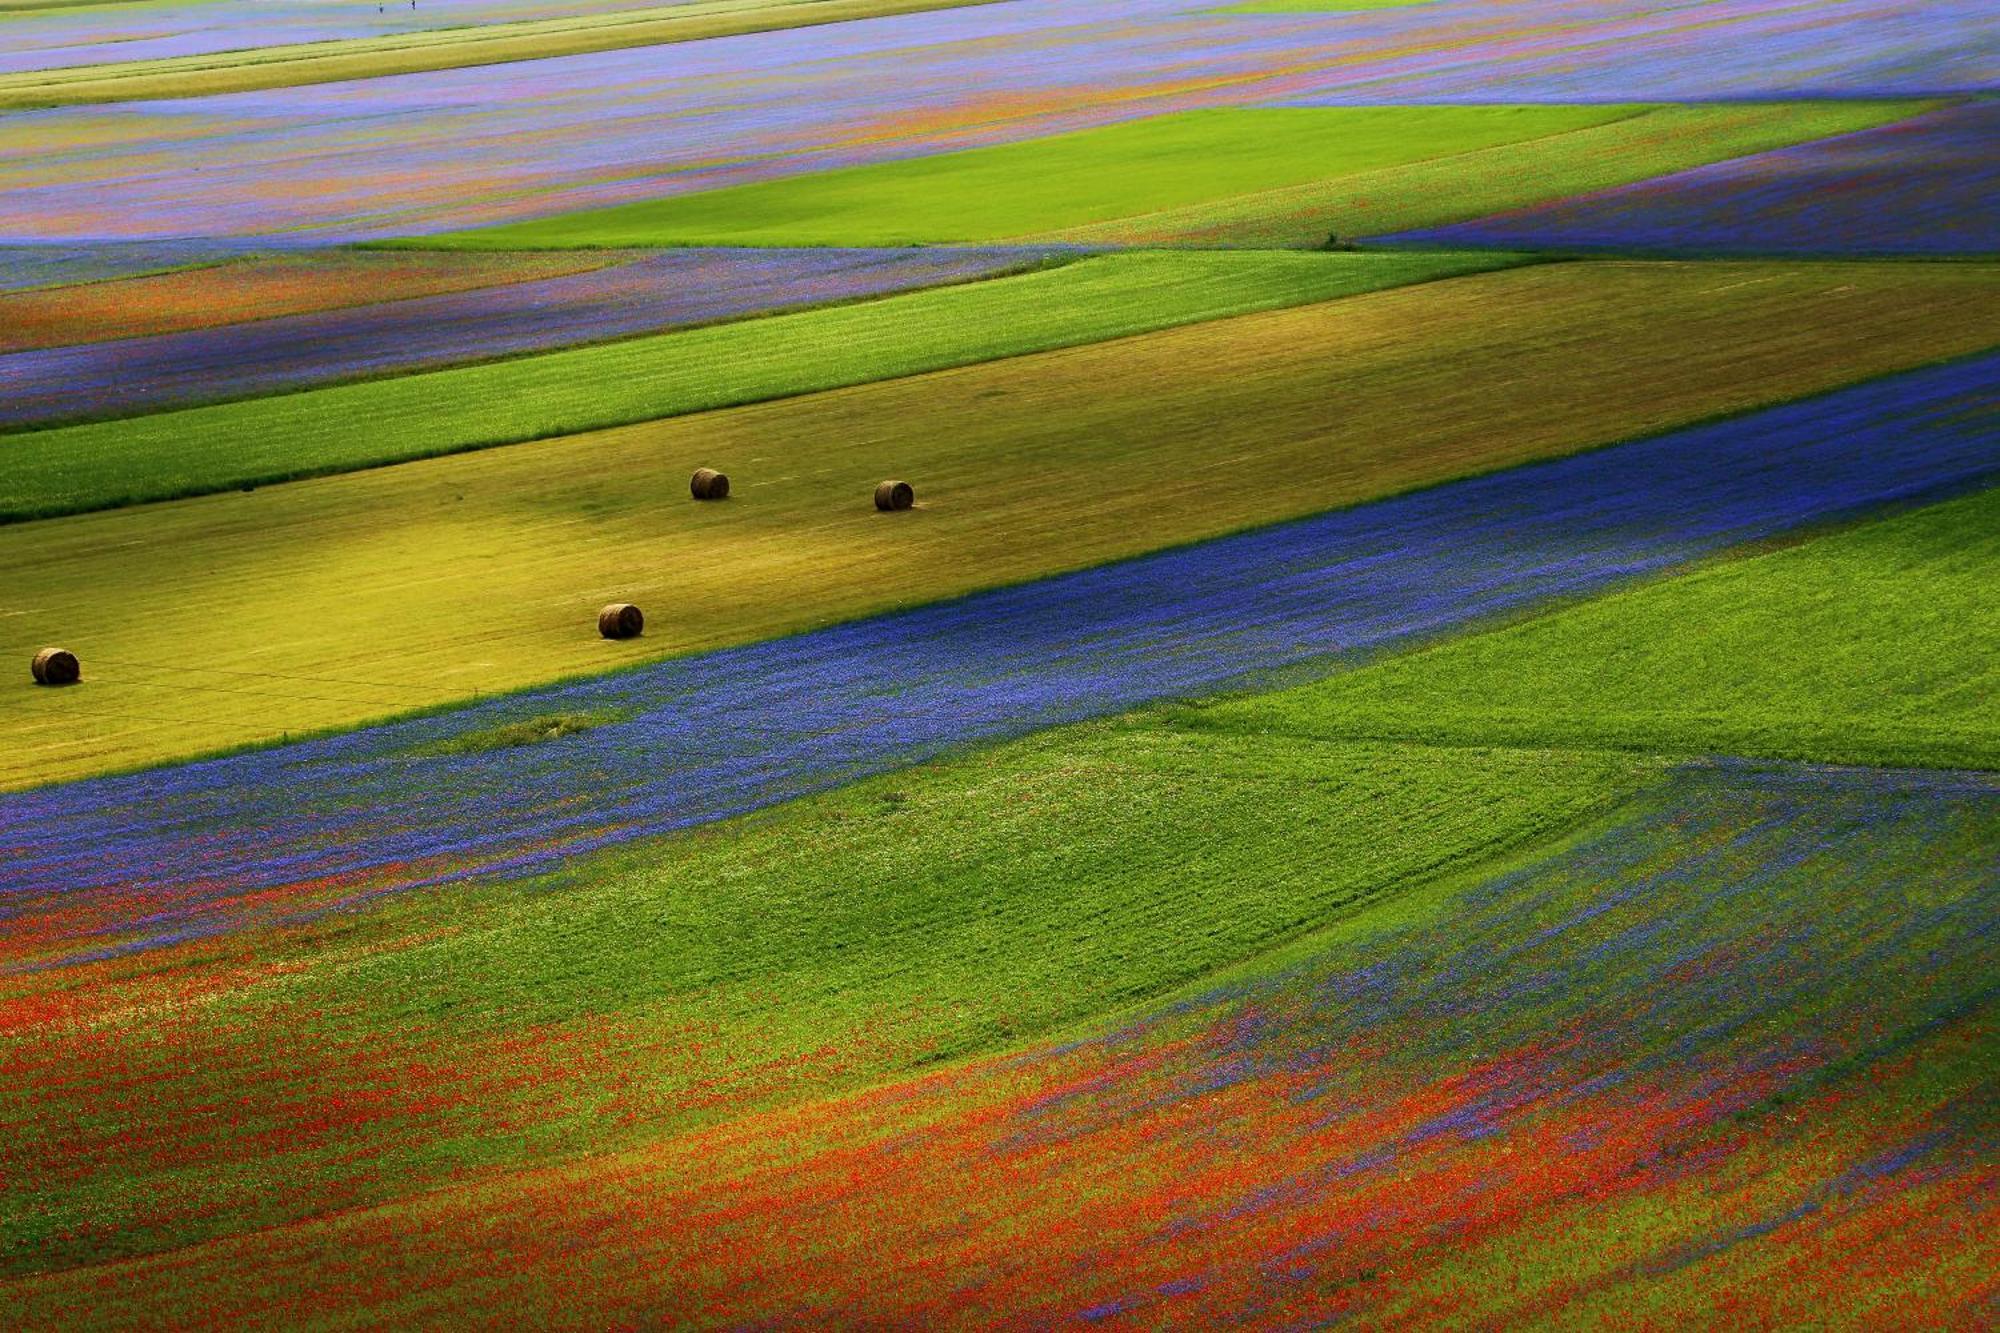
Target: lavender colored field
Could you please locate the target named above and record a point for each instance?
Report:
(59, 38)
(1926, 186)
(116, 865)
(674, 289)
(54, 264)
(461, 148)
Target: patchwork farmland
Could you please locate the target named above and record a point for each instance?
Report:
(823, 664)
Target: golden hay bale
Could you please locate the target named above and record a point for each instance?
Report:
(621, 620)
(56, 666)
(893, 495)
(708, 484)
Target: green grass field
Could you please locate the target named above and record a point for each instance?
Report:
(970, 907)
(239, 618)
(259, 441)
(1473, 184)
(438, 48)
(1043, 185)
(1872, 646)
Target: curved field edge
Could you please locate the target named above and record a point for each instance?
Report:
(523, 543)
(260, 68)
(265, 441)
(1711, 994)
(981, 903)
(1465, 186)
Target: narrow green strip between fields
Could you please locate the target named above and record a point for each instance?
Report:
(260, 441)
(266, 67)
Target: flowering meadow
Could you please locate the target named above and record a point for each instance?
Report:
(1333, 663)
(1652, 1074)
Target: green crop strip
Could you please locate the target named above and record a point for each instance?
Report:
(1042, 185)
(1490, 180)
(255, 442)
(1873, 645)
(241, 618)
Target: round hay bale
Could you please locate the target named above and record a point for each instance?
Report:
(708, 484)
(893, 495)
(621, 620)
(56, 666)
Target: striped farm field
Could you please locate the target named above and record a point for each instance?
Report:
(263, 287)
(1470, 185)
(1041, 185)
(285, 66)
(824, 665)
(452, 149)
(1800, 656)
(511, 786)
(201, 450)
(57, 34)
(276, 352)
(1924, 186)
(316, 604)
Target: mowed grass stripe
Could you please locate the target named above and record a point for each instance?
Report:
(1873, 645)
(240, 618)
(1469, 185)
(441, 48)
(260, 441)
(1039, 185)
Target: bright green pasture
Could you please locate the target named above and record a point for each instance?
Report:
(933, 914)
(1873, 645)
(346, 427)
(1041, 185)
(239, 618)
(1491, 180)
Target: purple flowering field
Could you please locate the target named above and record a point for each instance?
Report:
(661, 291)
(427, 151)
(1925, 186)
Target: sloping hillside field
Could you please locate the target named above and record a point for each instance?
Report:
(863, 664)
